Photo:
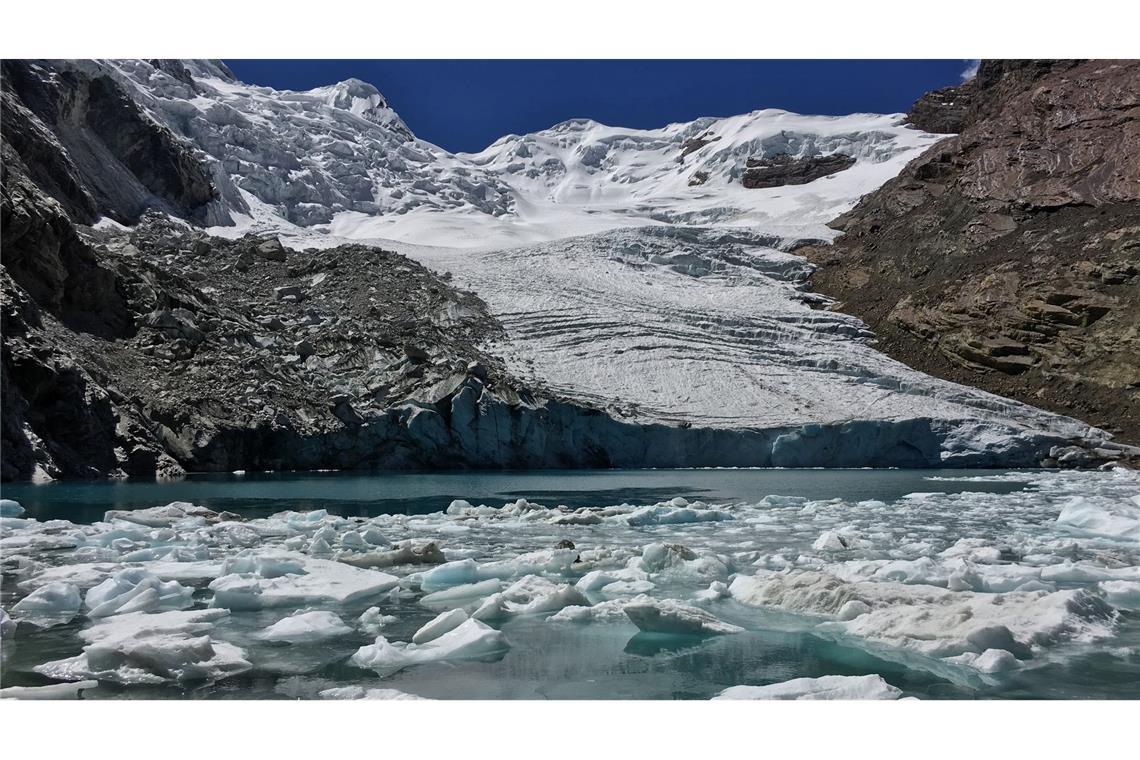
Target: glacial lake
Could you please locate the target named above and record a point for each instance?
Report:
(944, 542)
(368, 495)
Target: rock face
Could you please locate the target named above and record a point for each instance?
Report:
(89, 146)
(1008, 257)
(787, 170)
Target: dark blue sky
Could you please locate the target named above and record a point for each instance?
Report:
(464, 105)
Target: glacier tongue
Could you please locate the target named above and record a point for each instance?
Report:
(635, 271)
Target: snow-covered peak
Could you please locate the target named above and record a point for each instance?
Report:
(340, 159)
(361, 99)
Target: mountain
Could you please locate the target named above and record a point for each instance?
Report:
(1008, 257)
(293, 280)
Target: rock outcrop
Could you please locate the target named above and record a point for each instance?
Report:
(788, 170)
(1008, 257)
(90, 147)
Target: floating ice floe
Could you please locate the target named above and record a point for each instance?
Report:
(51, 691)
(530, 595)
(989, 661)
(372, 621)
(136, 590)
(320, 582)
(934, 621)
(471, 640)
(825, 687)
(671, 616)
(462, 594)
(439, 625)
(53, 604)
(359, 692)
(151, 648)
(1119, 520)
(166, 516)
(467, 571)
(10, 508)
(408, 553)
(306, 627)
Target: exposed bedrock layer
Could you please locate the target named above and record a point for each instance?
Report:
(1008, 257)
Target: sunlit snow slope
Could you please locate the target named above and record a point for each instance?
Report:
(633, 269)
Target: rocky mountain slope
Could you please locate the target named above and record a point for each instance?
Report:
(195, 278)
(1008, 257)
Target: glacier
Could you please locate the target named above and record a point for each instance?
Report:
(636, 273)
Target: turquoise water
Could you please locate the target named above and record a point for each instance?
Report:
(355, 495)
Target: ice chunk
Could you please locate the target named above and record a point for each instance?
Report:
(265, 565)
(595, 580)
(83, 574)
(470, 640)
(439, 625)
(323, 582)
(136, 590)
(671, 616)
(989, 661)
(53, 604)
(1124, 595)
(716, 590)
(829, 541)
(825, 687)
(1120, 520)
(7, 624)
(466, 571)
(408, 553)
(149, 648)
(930, 620)
(677, 562)
(458, 507)
(610, 611)
(160, 517)
(305, 627)
(51, 691)
(661, 514)
(359, 692)
(628, 588)
(372, 620)
(10, 508)
(462, 594)
(853, 609)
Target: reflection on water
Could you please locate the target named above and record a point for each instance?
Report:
(357, 495)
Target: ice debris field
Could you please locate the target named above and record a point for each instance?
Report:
(1032, 592)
